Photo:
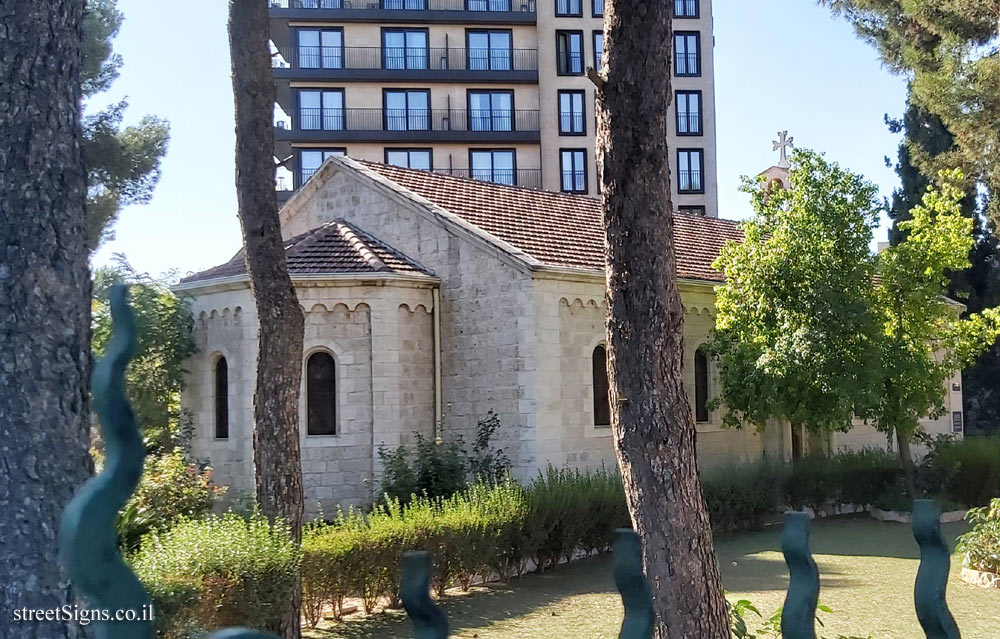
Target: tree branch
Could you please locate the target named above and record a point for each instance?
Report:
(595, 77)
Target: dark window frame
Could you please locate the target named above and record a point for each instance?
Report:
(600, 386)
(297, 116)
(593, 43)
(692, 209)
(297, 180)
(583, 113)
(320, 30)
(568, 15)
(489, 57)
(404, 30)
(697, 53)
(701, 113)
(491, 150)
(593, 9)
(583, 52)
(702, 386)
(513, 108)
(686, 16)
(406, 92)
(575, 170)
(701, 169)
(409, 149)
(315, 395)
(385, 5)
(221, 399)
(488, 3)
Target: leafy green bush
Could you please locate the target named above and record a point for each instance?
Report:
(966, 471)
(981, 545)
(172, 487)
(743, 497)
(861, 477)
(216, 572)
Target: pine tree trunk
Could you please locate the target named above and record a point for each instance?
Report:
(277, 463)
(653, 426)
(44, 306)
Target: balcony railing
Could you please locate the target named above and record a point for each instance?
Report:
(476, 120)
(495, 6)
(530, 178)
(399, 58)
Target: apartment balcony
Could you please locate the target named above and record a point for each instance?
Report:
(413, 125)
(389, 64)
(405, 11)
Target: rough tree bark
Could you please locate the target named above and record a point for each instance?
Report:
(653, 427)
(44, 306)
(277, 462)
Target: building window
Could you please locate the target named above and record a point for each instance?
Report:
(404, 49)
(490, 50)
(685, 8)
(701, 386)
(956, 422)
(221, 398)
(311, 159)
(321, 395)
(493, 165)
(687, 57)
(571, 8)
(569, 52)
(321, 110)
(602, 390)
(404, 5)
(598, 49)
(409, 158)
(690, 171)
(488, 5)
(407, 110)
(695, 209)
(573, 167)
(689, 113)
(597, 8)
(491, 110)
(321, 48)
(571, 117)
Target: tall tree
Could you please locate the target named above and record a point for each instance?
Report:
(277, 462)
(44, 305)
(653, 426)
(123, 164)
(950, 49)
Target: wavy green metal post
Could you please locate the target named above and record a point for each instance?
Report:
(798, 619)
(429, 621)
(637, 596)
(88, 540)
(932, 576)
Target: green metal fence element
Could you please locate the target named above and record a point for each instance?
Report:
(88, 541)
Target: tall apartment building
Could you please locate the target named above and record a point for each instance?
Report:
(489, 89)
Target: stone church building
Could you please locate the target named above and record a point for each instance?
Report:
(430, 300)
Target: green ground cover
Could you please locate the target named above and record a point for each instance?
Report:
(867, 570)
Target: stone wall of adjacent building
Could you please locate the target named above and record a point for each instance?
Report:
(487, 338)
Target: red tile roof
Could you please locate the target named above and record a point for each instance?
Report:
(335, 247)
(557, 229)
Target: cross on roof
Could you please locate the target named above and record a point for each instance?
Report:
(783, 143)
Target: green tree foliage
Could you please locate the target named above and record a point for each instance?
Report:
(155, 376)
(123, 163)
(794, 332)
(814, 329)
(951, 51)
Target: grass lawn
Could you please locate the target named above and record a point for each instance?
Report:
(866, 567)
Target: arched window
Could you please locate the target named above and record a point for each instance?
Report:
(221, 398)
(602, 391)
(700, 386)
(321, 394)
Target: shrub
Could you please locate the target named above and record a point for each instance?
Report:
(966, 471)
(216, 572)
(433, 469)
(743, 497)
(981, 545)
(861, 477)
(172, 487)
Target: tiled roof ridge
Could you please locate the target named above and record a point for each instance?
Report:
(364, 251)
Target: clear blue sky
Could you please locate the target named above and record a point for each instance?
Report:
(779, 65)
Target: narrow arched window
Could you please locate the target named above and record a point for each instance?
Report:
(321, 394)
(700, 386)
(221, 398)
(602, 390)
